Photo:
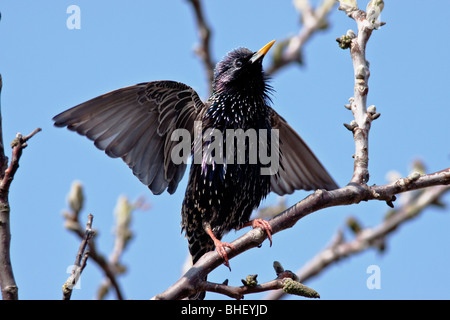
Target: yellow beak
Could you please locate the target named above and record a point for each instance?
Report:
(262, 52)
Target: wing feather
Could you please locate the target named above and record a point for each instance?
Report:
(299, 168)
(135, 123)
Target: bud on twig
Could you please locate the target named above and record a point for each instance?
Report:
(250, 281)
(76, 197)
(354, 225)
(373, 11)
(278, 267)
(348, 5)
(351, 126)
(294, 287)
(346, 40)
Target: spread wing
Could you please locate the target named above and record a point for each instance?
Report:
(299, 168)
(136, 123)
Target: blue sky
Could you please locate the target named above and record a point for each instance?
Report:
(48, 68)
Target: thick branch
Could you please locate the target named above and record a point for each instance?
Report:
(350, 194)
(366, 238)
(3, 158)
(7, 282)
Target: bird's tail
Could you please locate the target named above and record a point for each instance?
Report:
(198, 246)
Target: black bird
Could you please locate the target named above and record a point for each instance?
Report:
(136, 123)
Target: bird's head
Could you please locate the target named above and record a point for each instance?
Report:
(241, 70)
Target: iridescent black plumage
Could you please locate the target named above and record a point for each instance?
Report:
(223, 196)
(136, 123)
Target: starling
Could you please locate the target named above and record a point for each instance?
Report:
(137, 123)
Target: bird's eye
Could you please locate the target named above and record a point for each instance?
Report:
(238, 63)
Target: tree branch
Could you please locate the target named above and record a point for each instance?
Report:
(204, 49)
(358, 104)
(80, 260)
(368, 237)
(3, 158)
(111, 267)
(123, 235)
(7, 282)
(350, 194)
(72, 223)
(290, 50)
(286, 280)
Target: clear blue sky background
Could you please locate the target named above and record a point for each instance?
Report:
(48, 68)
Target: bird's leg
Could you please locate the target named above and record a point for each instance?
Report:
(220, 246)
(260, 223)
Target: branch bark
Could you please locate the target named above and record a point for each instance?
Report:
(80, 260)
(286, 282)
(290, 50)
(353, 193)
(111, 267)
(123, 234)
(72, 223)
(358, 104)
(204, 49)
(7, 282)
(366, 238)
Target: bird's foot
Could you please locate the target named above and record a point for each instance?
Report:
(220, 247)
(263, 224)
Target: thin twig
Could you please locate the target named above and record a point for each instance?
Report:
(18, 144)
(123, 235)
(286, 280)
(204, 49)
(80, 260)
(358, 103)
(72, 223)
(289, 51)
